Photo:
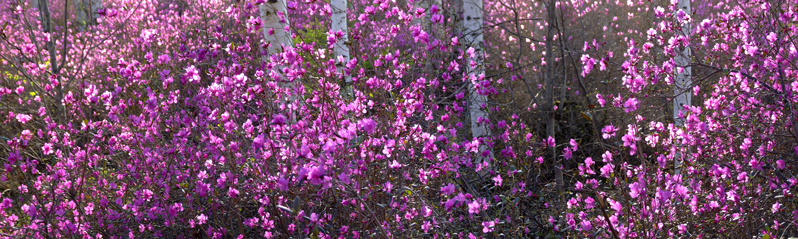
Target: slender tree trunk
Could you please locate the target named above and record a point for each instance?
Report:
(473, 38)
(274, 17)
(33, 4)
(548, 81)
(681, 89)
(274, 32)
(46, 22)
(339, 23)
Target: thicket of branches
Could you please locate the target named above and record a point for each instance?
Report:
(168, 119)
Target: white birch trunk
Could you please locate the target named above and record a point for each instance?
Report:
(271, 22)
(277, 38)
(472, 11)
(339, 23)
(682, 83)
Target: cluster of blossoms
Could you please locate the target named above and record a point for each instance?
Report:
(169, 119)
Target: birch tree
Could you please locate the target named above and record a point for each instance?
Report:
(275, 21)
(276, 35)
(473, 37)
(341, 49)
(683, 80)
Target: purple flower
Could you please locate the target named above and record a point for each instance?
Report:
(608, 131)
(448, 189)
(232, 192)
(163, 59)
(368, 125)
(192, 74)
(488, 226)
(775, 208)
(23, 118)
(635, 189)
(278, 119)
(388, 186)
(201, 219)
(473, 207)
(497, 180)
(606, 170)
(344, 178)
(550, 142)
(601, 100)
(316, 175)
(282, 184)
(6, 203)
(630, 105)
(586, 225)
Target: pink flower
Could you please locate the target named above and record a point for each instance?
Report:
(278, 119)
(606, 157)
(775, 207)
(606, 170)
(473, 207)
(497, 180)
(192, 74)
(201, 219)
(23, 118)
(615, 205)
(549, 142)
(574, 145)
(635, 189)
(589, 202)
(426, 211)
(232, 192)
(608, 131)
(388, 186)
(630, 105)
(588, 64)
(567, 154)
(434, 9)
(448, 189)
(488, 226)
(344, 178)
(426, 226)
(6, 203)
(601, 100)
(282, 184)
(368, 125)
(395, 165)
(47, 149)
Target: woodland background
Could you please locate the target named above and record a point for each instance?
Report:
(398, 119)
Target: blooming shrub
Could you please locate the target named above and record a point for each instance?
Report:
(165, 119)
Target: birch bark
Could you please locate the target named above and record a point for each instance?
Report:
(477, 102)
(341, 49)
(683, 81)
